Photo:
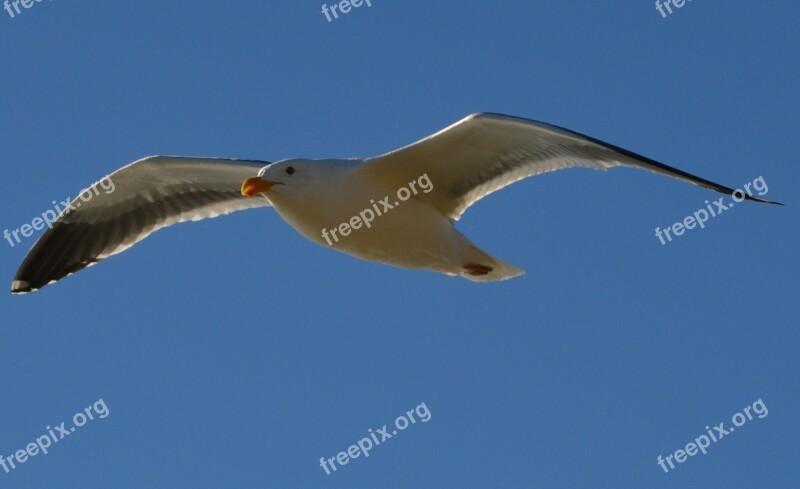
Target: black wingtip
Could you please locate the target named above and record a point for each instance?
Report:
(20, 287)
(763, 201)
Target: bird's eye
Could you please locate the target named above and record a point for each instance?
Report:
(289, 170)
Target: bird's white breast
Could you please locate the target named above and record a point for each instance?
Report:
(410, 233)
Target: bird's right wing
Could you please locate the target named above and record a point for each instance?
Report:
(483, 153)
(134, 201)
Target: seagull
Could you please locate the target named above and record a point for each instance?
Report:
(399, 208)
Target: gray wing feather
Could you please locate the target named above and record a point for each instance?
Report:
(149, 194)
(483, 153)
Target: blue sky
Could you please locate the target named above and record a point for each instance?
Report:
(234, 353)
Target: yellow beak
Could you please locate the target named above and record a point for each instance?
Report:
(256, 185)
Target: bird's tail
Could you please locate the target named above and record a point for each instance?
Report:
(500, 270)
(479, 266)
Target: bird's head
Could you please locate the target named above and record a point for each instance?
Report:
(283, 177)
(296, 180)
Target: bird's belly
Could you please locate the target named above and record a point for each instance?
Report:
(411, 234)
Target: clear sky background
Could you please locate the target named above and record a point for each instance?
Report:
(235, 353)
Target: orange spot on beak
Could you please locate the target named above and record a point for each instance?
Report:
(256, 185)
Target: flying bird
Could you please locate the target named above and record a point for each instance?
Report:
(399, 208)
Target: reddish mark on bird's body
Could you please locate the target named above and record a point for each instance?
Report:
(477, 269)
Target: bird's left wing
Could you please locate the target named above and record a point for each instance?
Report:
(483, 153)
(136, 200)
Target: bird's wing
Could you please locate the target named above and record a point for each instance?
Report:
(134, 201)
(483, 153)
